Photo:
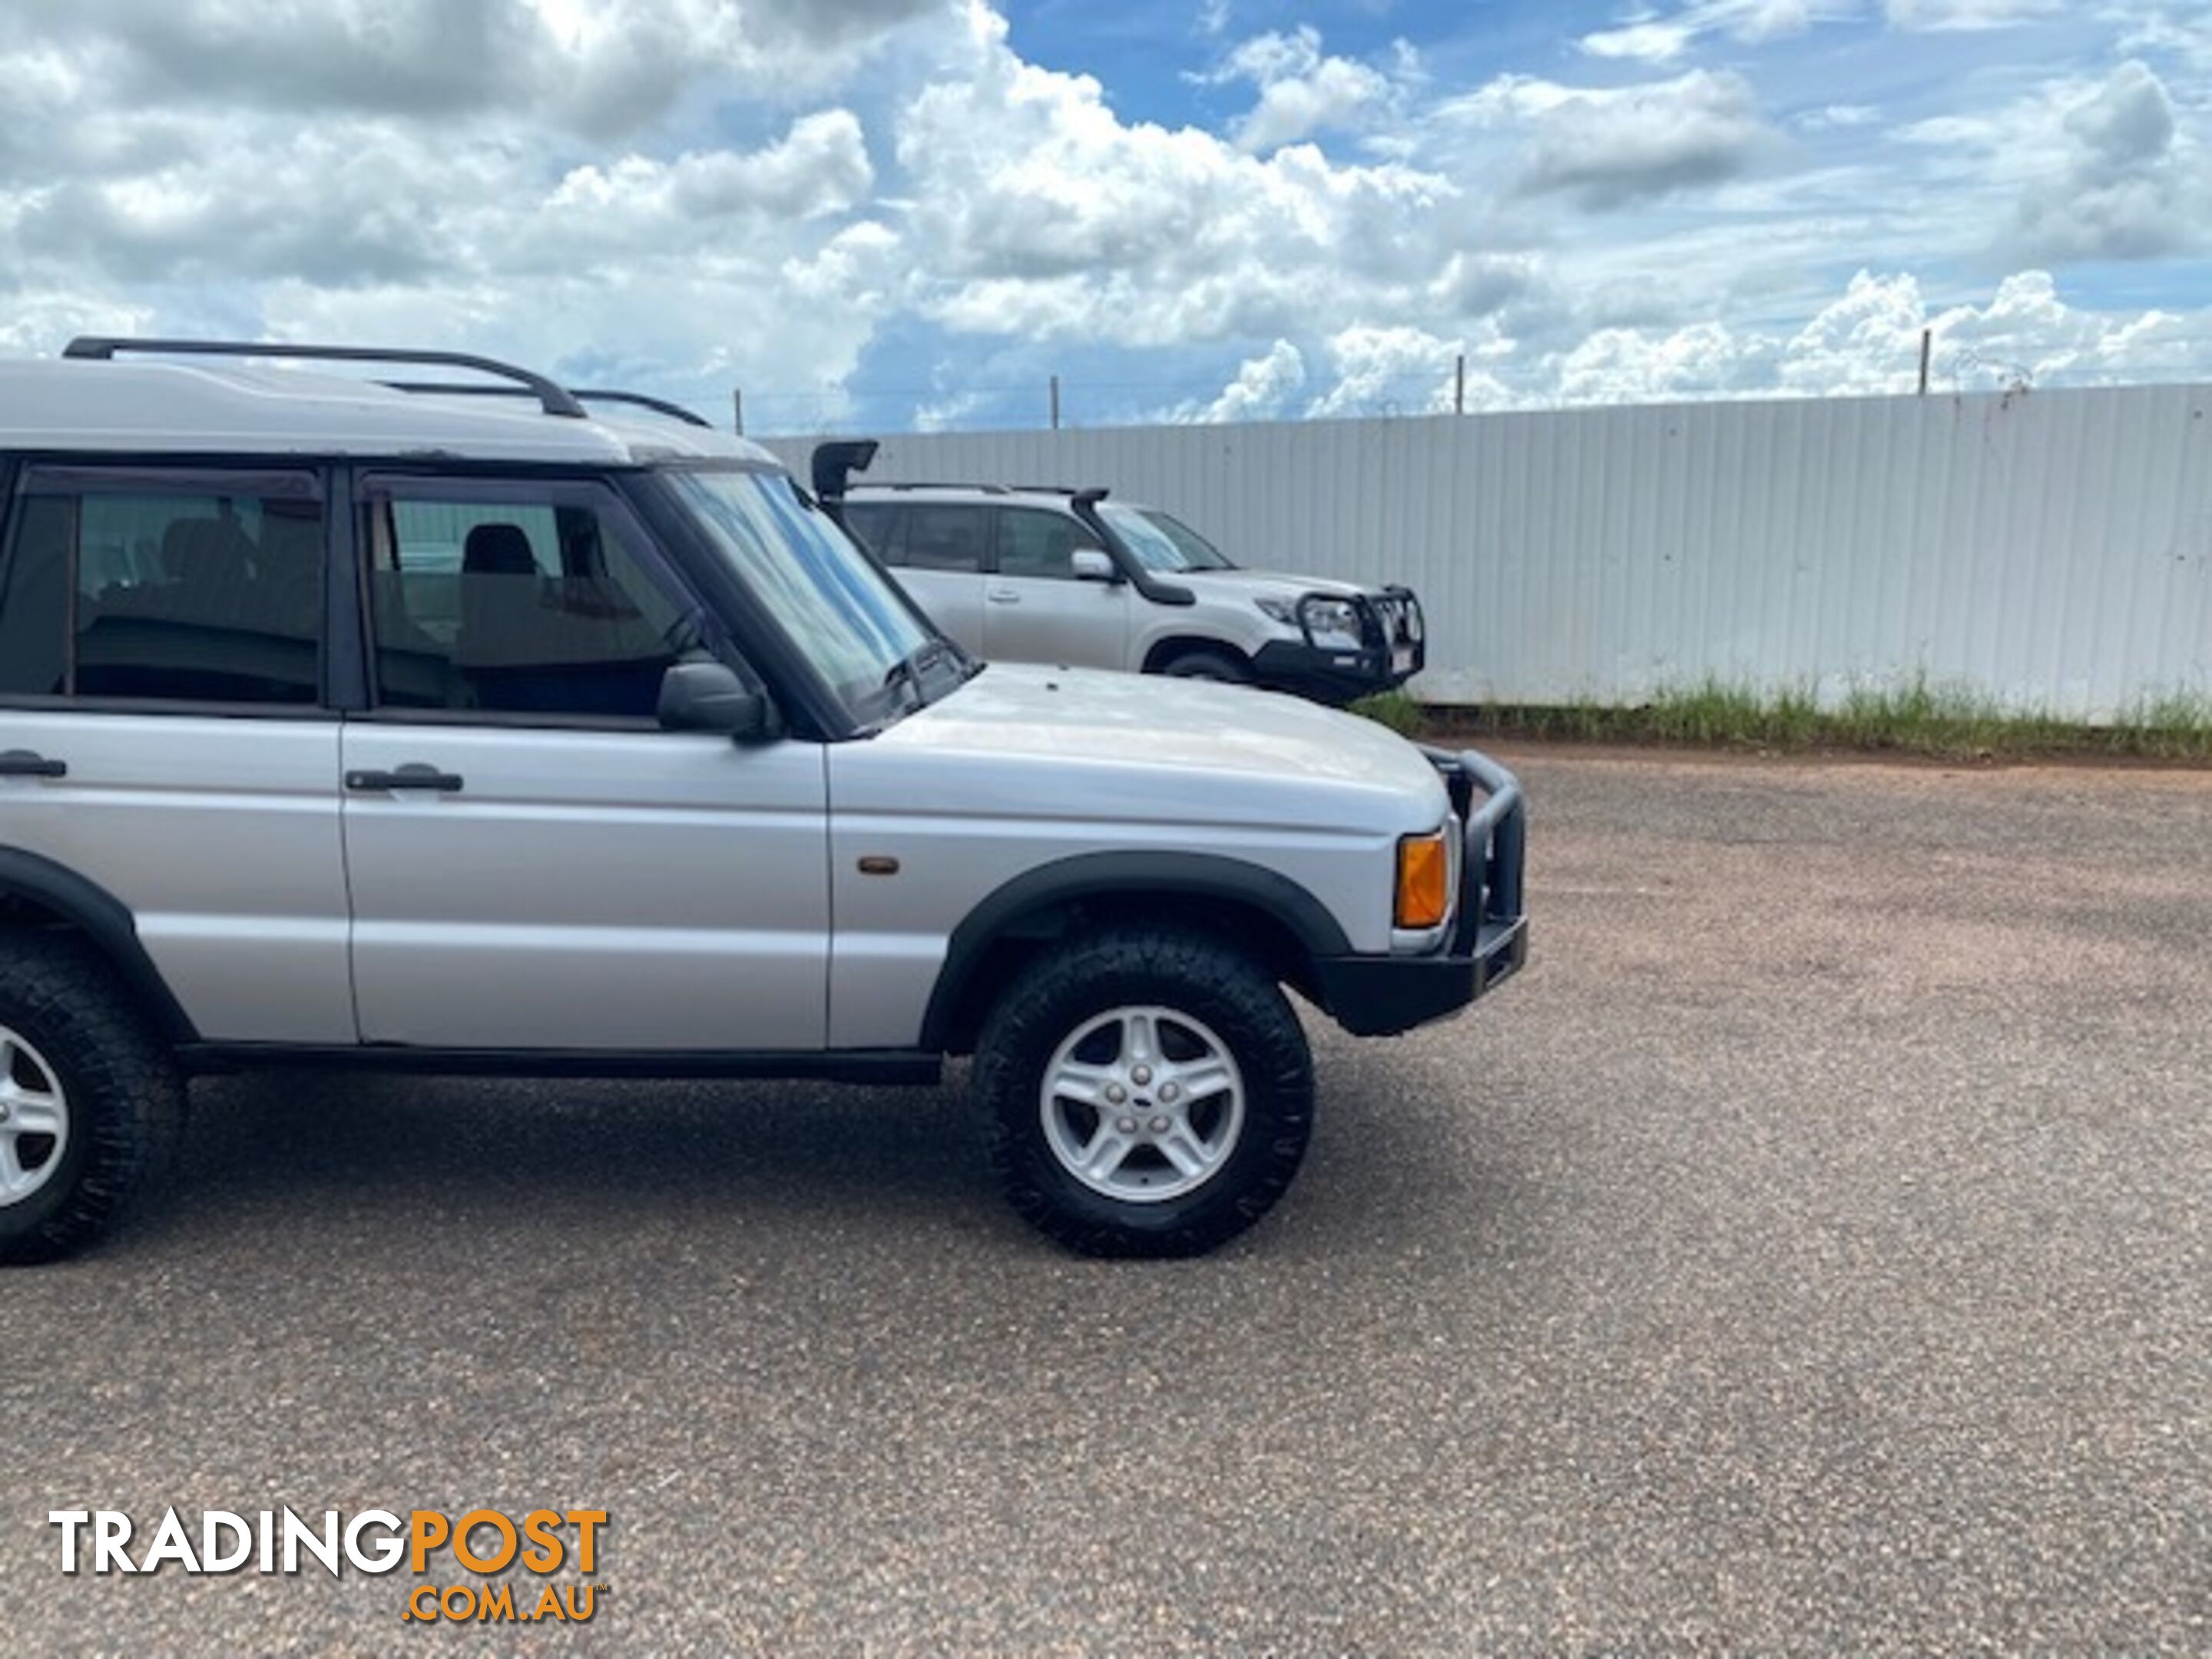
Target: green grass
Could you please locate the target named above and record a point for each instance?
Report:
(1395, 710)
(1917, 720)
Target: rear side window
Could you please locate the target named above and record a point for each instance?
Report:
(175, 586)
(1032, 543)
(946, 537)
(526, 601)
(875, 525)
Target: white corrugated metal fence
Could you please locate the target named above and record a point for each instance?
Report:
(2052, 550)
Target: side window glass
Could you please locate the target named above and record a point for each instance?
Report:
(1037, 544)
(35, 580)
(167, 594)
(522, 607)
(874, 525)
(946, 537)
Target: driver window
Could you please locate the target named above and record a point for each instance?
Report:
(515, 607)
(1038, 544)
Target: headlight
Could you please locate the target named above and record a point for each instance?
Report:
(1333, 624)
(1278, 611)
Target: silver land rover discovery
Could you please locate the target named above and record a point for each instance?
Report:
(388, 725)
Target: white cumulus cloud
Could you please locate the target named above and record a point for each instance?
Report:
(844, 203)
(1262, 390)
(1607, 148)
(1965, 15)
(1662, 39)
(1304, 91)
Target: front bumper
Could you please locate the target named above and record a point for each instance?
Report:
(1380, 996)
(1330, 676)
(1394, 648)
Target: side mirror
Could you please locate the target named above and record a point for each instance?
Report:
(709, 697)
(1089, 564)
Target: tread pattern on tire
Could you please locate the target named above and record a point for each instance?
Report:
(125, 1098)
(1216, 983)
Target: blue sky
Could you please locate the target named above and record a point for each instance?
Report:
(885, 214)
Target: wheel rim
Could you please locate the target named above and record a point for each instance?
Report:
(34, 1119)
(1142, 1105)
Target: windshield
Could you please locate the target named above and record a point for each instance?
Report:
(850, 624)
(1161, 541)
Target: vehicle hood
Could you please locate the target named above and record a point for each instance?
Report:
(1263, 584)
(1063, 742)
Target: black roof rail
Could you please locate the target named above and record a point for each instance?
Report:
(923, 483)
(588, 395)
(659, 405)
(552, 398)
(1069, 490)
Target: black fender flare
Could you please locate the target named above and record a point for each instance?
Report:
(1094, 875)
(106, 922)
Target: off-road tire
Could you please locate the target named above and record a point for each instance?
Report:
(121, 1089)
(1208, 665)
(1191, 973)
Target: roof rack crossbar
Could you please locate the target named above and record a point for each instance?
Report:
(553, 399)
(582, 394)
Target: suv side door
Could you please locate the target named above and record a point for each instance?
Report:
(536, 864)
(164, 729)
(937, 551)
(1034, 609)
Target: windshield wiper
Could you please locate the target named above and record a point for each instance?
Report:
(908, 670)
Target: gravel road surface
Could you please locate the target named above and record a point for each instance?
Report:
(1809, 1253)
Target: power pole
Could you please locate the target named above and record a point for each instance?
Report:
(1459, 385)
(1927, 346)
(737, 408)
(1055, 403)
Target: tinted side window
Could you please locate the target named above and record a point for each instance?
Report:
(197, 589)
(946, 537)
(34, 600)
(875, 525)
(515, 607)
(1032, 543)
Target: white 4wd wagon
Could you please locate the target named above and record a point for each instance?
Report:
(1028, 574)
(378, 726)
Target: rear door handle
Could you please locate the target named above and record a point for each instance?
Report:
(1003, 595)
(22, 763)
(414, 776)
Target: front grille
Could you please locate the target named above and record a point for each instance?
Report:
(1394, 625)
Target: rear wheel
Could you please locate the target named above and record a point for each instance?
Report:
(1209, 665)
(90, 1105)
(1145, 1092)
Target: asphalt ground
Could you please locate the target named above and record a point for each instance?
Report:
(1809, 1253)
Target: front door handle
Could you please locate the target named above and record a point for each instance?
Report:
(414, 776)
(1003, 595)
(22, 763)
